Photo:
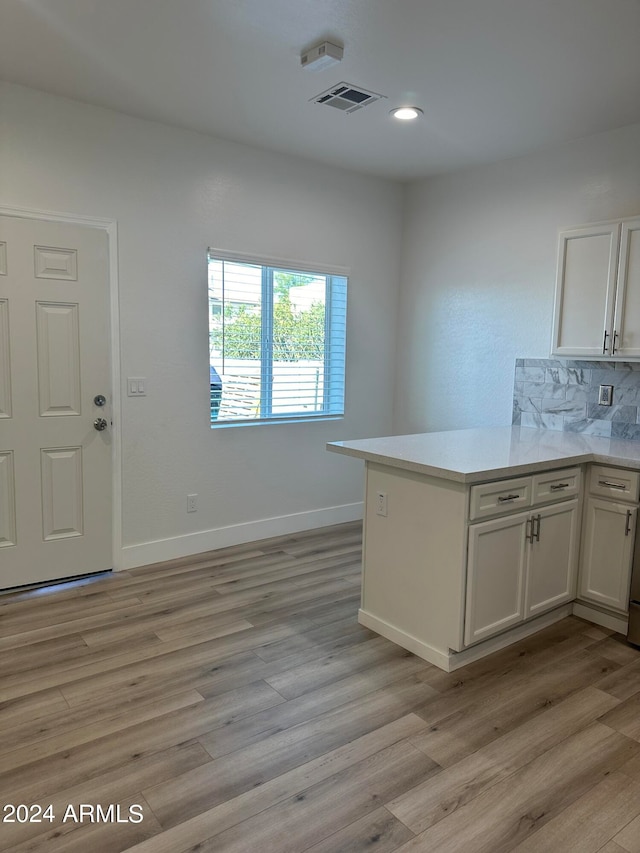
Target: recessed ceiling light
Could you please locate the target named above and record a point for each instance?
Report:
(406, 113)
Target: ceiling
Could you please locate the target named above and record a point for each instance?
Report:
(495, 78)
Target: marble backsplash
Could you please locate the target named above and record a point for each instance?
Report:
(563, 394)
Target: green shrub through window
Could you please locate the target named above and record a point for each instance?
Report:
(276, 341)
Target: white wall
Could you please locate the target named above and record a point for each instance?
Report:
(173, 194)
(479, 273)
(477, 293)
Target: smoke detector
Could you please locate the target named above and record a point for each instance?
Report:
(346, 97)
(323, 55)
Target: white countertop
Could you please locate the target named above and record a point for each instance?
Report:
(474, 455)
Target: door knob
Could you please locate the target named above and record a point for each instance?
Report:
(99, 400)
(100, 424)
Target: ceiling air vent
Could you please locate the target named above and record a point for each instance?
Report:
(346, 97)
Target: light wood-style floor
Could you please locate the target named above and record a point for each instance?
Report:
(235, 698)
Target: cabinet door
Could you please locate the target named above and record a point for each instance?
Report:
(553, 558)
(607, 552)
(495, 576)
(627, 315)
(585, 290)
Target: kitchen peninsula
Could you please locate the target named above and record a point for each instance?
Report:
(475, 538)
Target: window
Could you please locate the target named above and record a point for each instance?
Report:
(276, 340)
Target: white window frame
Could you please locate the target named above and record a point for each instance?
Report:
(334, 391)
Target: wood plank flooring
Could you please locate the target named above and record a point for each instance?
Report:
(235, 701)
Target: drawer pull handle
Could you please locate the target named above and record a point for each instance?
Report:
(529, 534)
(610, 485)
(556, 487)
(627, 527)
(533, 531)
(504, 498)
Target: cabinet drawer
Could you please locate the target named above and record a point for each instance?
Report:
(494, 498)
(556, 485)
(614, 483)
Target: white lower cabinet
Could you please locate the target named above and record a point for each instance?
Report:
(553, 558)
(608, 540)
(449, 566)
(495, 576)
(520, 566)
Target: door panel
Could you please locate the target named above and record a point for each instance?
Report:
(62, 499)
(5, 361)
(627, 319)
(55, 468)
(608, 553)
(7, 501)
(551, 577)
(495, 576)
(51, 262)
(585, 289)
(58, 338)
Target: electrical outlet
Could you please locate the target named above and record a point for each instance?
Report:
(192, 503)
(605, 395)
(381, 503)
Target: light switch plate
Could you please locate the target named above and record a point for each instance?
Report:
(605, 395)
(136, 386)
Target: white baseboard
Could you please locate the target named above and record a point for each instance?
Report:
(598, 617)
(450, 661)
(236, 534)
(494, 644)
(440, 658)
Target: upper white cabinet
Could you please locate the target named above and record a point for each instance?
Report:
(597, 307)
(626, 319)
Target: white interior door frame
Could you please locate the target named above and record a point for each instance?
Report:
(111, 229)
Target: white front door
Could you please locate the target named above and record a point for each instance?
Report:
(55, 466)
